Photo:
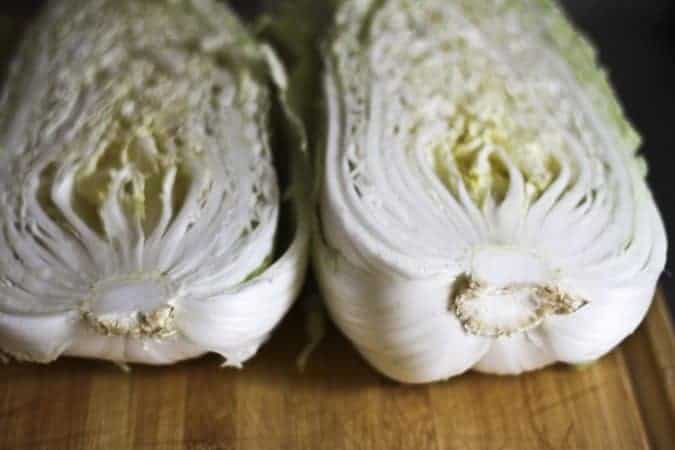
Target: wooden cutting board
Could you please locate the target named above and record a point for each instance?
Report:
(624, 401)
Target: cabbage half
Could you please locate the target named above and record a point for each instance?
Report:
(141, 207)
(482, 203)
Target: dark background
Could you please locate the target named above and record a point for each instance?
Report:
(636, 43)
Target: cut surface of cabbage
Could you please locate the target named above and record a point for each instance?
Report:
(140, 201)
(482, 203)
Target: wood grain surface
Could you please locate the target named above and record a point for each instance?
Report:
(624, 401)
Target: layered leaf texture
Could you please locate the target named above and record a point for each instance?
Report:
(140, 202)
(482, 203)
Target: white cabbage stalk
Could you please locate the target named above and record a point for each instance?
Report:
(140, 204)
(482, 204)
